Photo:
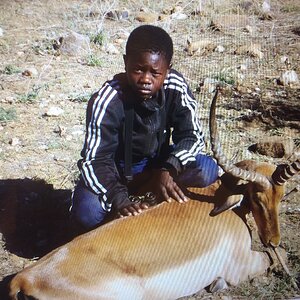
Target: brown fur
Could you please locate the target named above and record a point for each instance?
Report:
(138, 257)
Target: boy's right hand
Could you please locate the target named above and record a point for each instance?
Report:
(132, 210)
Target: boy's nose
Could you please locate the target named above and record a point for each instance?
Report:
(146, 78)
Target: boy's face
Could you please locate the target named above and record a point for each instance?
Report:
(146, 73)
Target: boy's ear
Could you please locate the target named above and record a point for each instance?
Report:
(125, 60)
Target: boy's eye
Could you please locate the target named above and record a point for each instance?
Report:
(137, 70)
(156, 74)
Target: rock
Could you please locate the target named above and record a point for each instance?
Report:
(276, 147)
(176, 9)
(249, 29)
(30, 72)
(284, 59)
(253, 50)
(243, 67)
(178, 16)
(200, 47)
(209, 84)
(75, 44)
(119, 41)
(146, 17)
(229, 21)
(54, 111)
(78, 130)
(220, 49)
(118, 14)
(266, 11)
(9, 99)
(14, 141)
(266, 7)
(111, 49)
(289, 78)
(1, 32)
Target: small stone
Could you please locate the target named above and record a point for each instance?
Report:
(276, 147)
(10, 99)
(75, 44)
(118, 14)
(14, 141)
(119, 41)
(220, 49)
(243, 67)
(54, 111)
(203, 46)
(176, 9)
(249, 29)
(111, 49)
(284, 59)
(210, 84)
(77, 130)
(146, 17)
(178, 16)
(252, 50)
(30, 72)
(289, 78)
(1, 32)
(266, 8)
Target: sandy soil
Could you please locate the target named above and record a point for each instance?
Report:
(248, 50)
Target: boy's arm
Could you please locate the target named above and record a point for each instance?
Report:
(187, 132)
(104, 118)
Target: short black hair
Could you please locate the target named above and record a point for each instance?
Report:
(149, 38)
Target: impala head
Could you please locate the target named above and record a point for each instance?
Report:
(261, 184)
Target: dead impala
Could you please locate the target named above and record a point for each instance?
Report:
(170, 250)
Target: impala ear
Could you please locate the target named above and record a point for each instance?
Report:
(230, 202)
(227, 198)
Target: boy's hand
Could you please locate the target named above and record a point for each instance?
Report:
(132, 210)
(167, 188)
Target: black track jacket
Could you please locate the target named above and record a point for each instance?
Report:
(104, 139)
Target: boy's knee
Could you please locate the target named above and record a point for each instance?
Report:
(210, 171)
(86, 210)
(203, 174)
(85, 219)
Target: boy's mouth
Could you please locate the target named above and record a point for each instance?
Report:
(144, 90)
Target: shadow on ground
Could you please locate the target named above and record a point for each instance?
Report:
(34, 217)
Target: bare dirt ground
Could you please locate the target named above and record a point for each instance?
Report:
(44, 90)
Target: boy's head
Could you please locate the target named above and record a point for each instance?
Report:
(149, 52)
(149, 38)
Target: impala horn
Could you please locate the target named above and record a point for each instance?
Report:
(285, 172)
(262, 181)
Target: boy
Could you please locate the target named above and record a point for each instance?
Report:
(128, 128)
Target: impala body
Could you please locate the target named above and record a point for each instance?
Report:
(167, 252)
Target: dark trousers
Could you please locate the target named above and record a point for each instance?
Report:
(88, 212)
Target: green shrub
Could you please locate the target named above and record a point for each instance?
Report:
(98, 39)
(94, 61)
(7, 114)
(10, 69)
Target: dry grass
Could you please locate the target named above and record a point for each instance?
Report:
(50, 147)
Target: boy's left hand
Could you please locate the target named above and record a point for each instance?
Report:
(167, 188)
